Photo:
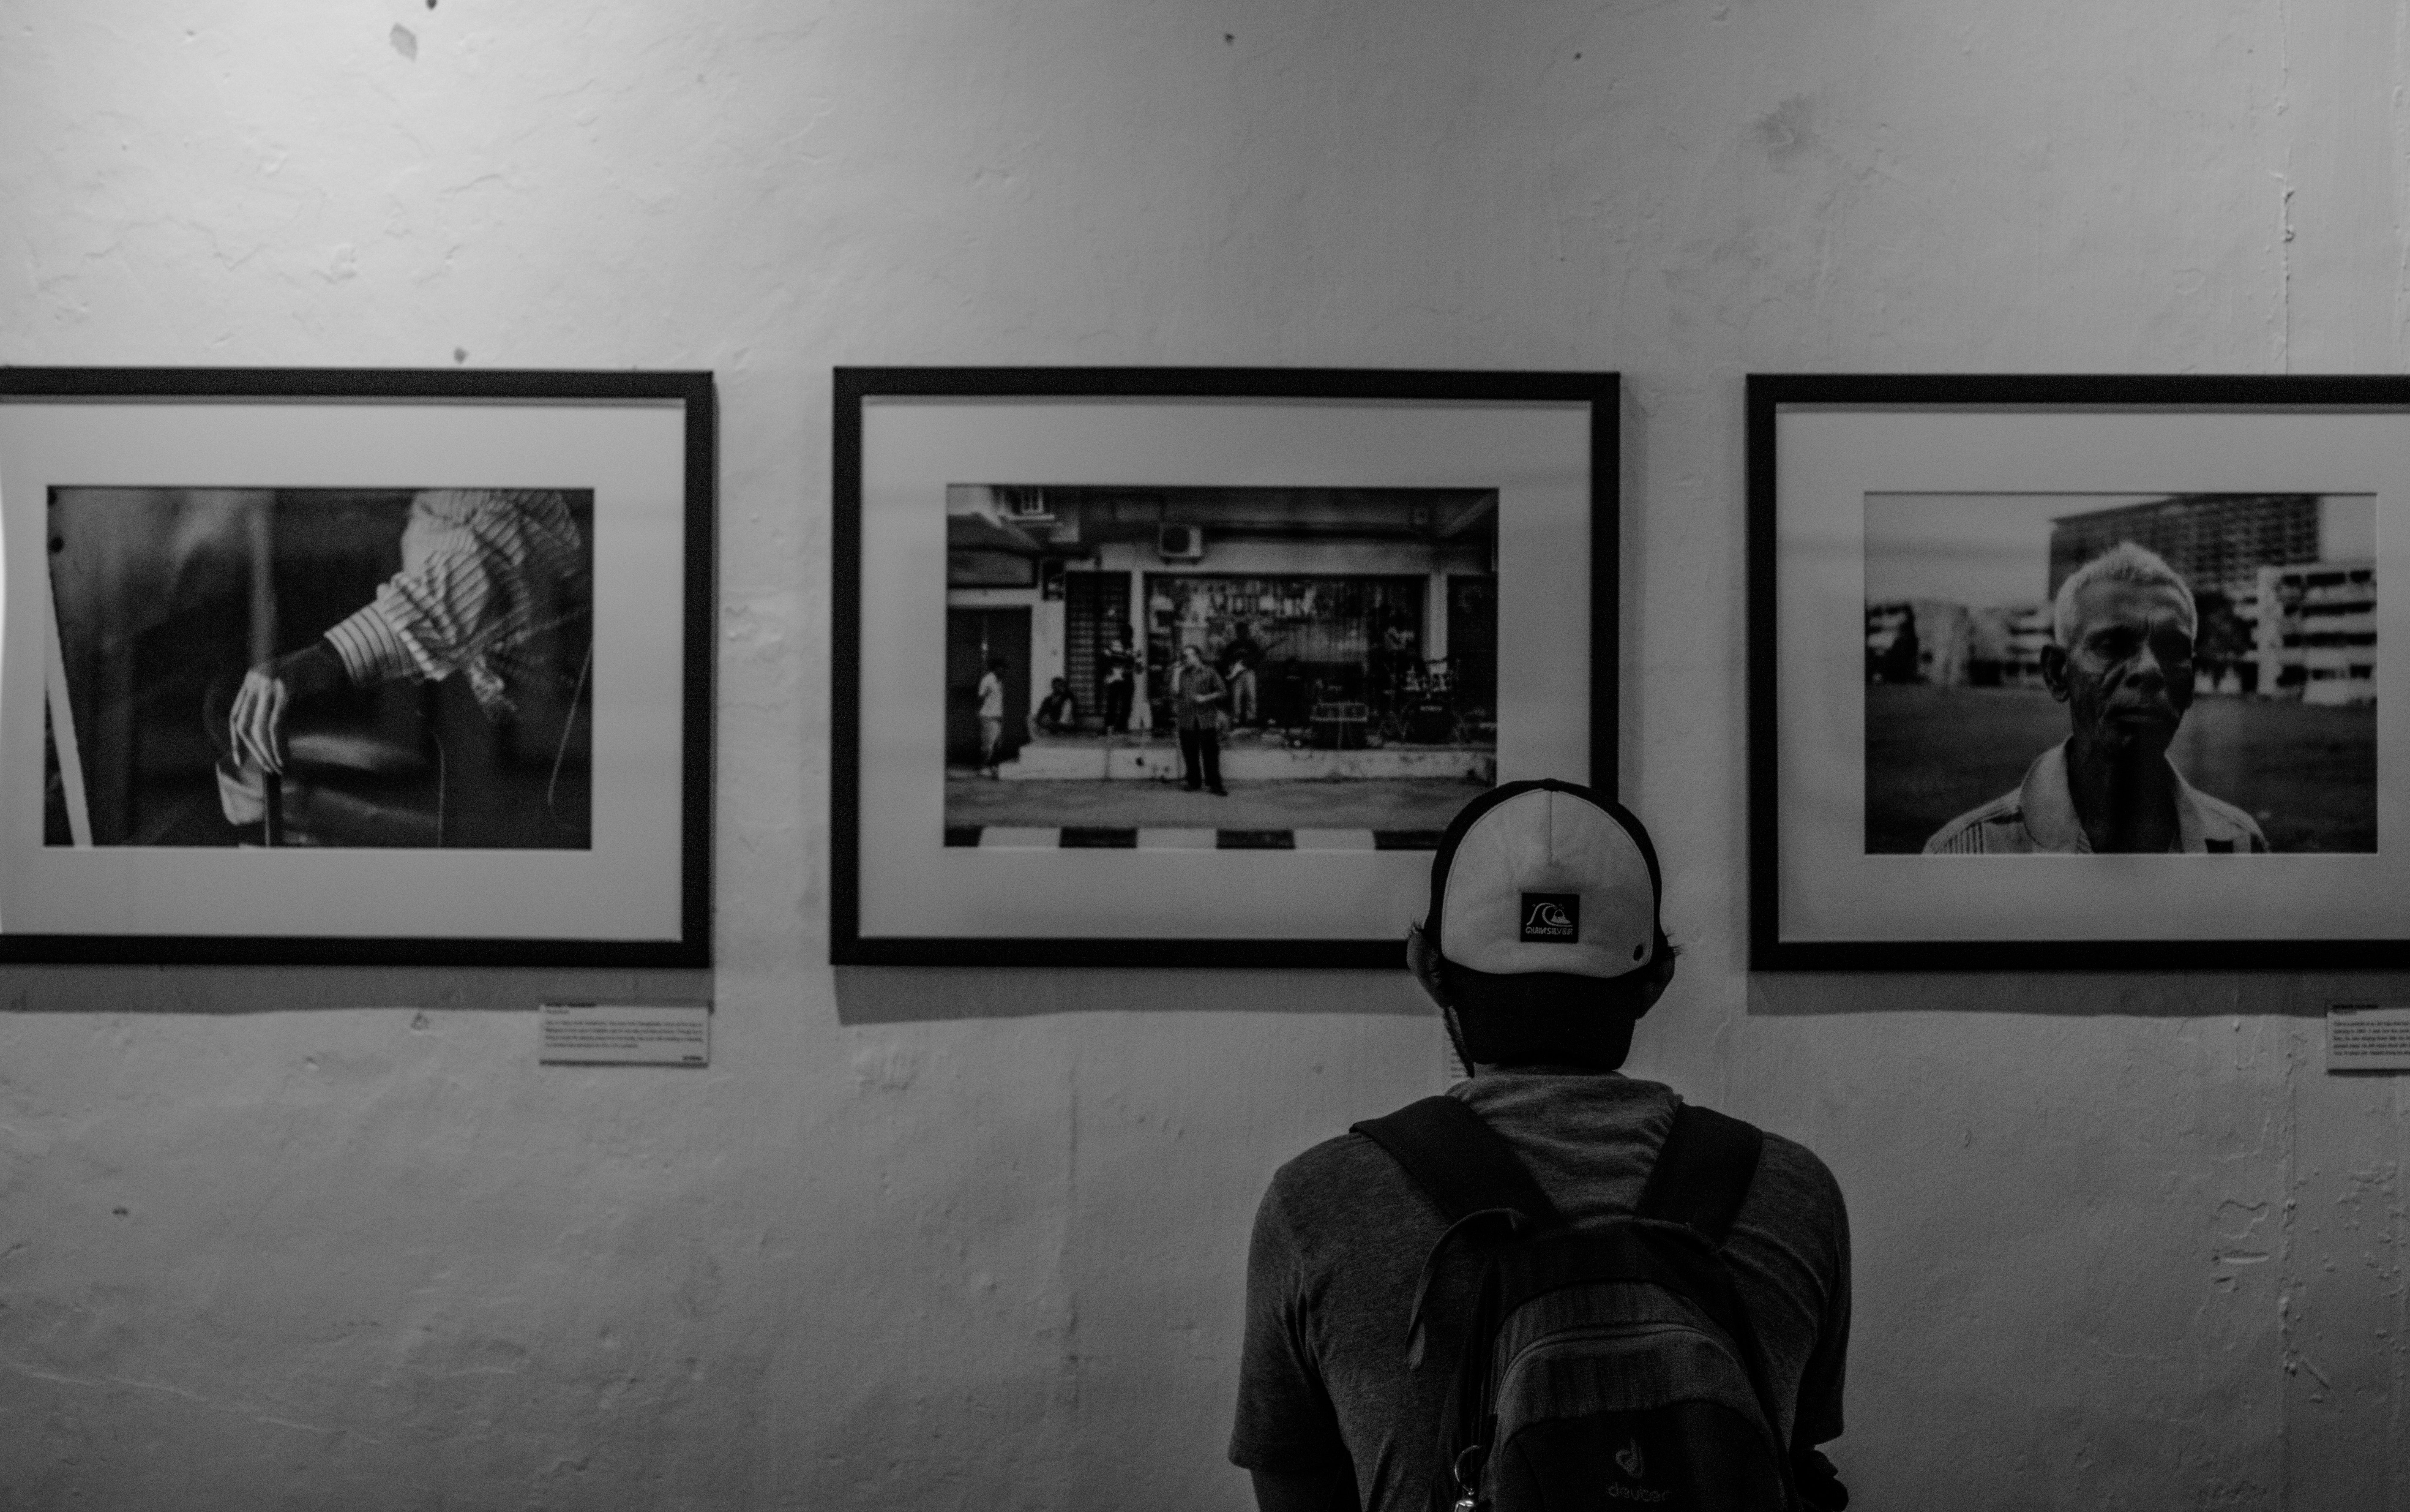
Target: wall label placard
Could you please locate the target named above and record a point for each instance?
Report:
(624, 1034)
(2367, 1036)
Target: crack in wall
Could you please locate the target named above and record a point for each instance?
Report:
(2285, 193)
(2397, 1223)
(2288, 1173)
(2400, 103)
(196, 1398)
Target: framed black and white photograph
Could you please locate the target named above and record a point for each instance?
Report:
(356, 666)
(2076, 671)
(1193, 667)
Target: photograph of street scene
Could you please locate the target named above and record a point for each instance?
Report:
(2069, 672)
(332, 667)
(1225, 668)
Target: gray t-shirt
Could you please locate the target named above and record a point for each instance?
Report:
(1340, 1238)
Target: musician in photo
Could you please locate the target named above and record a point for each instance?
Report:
(1239, 658)
(1119, 664)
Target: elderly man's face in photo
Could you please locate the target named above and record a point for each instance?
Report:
(2125, 673)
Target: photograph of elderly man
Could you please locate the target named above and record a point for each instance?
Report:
(2121, 659)
(2098, 673)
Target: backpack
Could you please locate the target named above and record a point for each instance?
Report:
(1609, 1364)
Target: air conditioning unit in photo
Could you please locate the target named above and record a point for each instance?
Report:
(1026, 504)
(1179, 543)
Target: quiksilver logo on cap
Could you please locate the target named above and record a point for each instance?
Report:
(1551, 918)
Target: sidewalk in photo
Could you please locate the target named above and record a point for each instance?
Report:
(975, 804)
(1247, 755)
(1094, 838)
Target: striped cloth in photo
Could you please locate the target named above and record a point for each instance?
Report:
(482, 574)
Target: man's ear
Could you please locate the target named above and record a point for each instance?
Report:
(2053, 670)
(1423, 959)
(1653, 986)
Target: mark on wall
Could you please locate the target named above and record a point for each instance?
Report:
(405, 42)
(1784, 132)
(885, 1067)
(2236, 1225)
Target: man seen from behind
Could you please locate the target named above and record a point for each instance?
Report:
(1541, 948)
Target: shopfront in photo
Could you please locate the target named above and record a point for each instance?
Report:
(1352, 634)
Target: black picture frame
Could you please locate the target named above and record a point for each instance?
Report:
(635, 448)
(2133, 457)
(1297, 399)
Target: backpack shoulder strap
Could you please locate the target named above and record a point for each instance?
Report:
(1458, 1161)
(1703, 1171)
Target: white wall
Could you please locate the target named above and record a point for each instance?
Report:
(972, 1239)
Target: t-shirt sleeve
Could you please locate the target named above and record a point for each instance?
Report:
(1821, 1382)
(1285, 1421)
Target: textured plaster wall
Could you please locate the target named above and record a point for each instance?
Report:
(973, 1239)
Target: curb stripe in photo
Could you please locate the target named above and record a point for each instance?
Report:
(1110, 838)
(1012, 838)
(1333, 839)
(1176, 839)
(1254, 840)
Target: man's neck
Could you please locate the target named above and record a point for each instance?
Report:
(2125, 798)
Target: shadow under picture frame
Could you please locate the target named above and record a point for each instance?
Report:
(1191, 667)
(2076, 673)
(356, 666)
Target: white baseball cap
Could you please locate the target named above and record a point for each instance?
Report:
(1545, 876)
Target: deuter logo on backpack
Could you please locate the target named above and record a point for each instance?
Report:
(1634, 1466)
(1551, 918)
(1635, 1470)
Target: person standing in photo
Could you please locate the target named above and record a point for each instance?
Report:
(1199, 694)
(1120, 661)
(1401, 641)
(1239, 659)
(991, 717)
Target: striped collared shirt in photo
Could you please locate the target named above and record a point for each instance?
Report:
(482, 573)
(2038, 817)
